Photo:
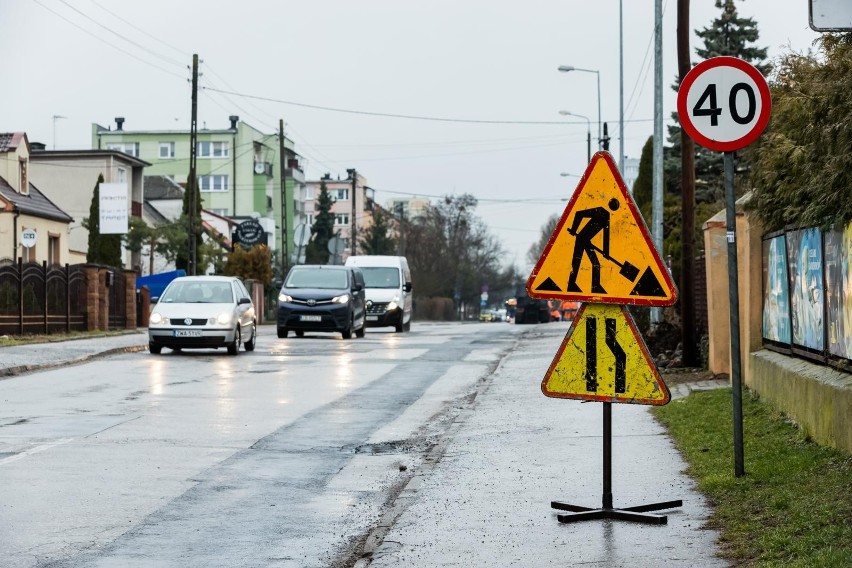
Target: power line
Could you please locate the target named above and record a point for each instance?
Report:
(84, 30)
(118, 35)
(137, 28)
(391, 115)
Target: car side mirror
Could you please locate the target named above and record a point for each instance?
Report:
(407, 287)
(357, 287)
(244, 301)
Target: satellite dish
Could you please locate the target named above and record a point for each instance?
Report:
(301, 235)
(259, 168)
(336, 245)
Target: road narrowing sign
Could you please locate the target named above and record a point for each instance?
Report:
(603, 358)
(600, 250)
(724, 103)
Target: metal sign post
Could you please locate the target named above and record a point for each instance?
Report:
(603, 357)
(637, 513)
(724, 104)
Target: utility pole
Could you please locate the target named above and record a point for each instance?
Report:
(192, 182)
(621, 87)
(354, 234)
(284, 235)
(687, 164)
(657, 185)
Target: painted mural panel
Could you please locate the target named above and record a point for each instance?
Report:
(776, 291)
(838, 297)
(804, 251)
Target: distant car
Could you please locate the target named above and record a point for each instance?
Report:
(198, 312)
(486, 315)
(499, 315)
(322, 298)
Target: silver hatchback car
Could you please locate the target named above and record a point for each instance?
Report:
(199, 312)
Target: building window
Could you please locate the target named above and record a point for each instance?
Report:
(341, 219)
(212, 150)
(167, 149)
(121, 175)
(22, 171)
(340, 194)
(131, 148)
(213, 183)
(52, 249)
(220, 211)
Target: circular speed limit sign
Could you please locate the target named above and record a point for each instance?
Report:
(723, 103)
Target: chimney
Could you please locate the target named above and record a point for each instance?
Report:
(233, 118)
(119, 122)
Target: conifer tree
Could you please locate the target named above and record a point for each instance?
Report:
(376, 239)
(102, 249)
(728, 35)
(182, 258)
(322, 230)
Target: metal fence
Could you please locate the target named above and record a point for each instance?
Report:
(37, 298)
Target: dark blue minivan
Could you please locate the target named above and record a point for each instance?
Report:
(322, 298)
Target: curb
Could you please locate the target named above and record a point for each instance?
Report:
(23, 369)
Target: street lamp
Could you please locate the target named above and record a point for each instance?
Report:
(588, 131)
(567, 68)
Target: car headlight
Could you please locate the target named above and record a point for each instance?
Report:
(285, 298)
(394, 304)
(155, 319)
(224, 318)
(341, 299)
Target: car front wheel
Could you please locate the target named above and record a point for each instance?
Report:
(282, 332)
(252, 341)
(234, 347)
(155, 349)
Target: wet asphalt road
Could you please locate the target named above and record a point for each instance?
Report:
(285, 456)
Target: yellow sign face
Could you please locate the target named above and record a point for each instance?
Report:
(603, 358)
(600, 250)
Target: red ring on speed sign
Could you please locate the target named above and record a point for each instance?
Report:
(719, 138)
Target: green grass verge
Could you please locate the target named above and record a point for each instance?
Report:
(793, 508)
(9, 340)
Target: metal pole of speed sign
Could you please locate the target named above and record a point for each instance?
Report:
(723, 104)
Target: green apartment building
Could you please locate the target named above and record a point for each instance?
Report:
(238, 169)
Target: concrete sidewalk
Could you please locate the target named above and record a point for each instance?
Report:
(19, 359)
(486, 500)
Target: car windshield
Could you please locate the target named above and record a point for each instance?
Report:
(317, 278)
(381, 277)
(195, 292)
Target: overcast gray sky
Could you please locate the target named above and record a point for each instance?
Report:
(471, 60)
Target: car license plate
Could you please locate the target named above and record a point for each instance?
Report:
(187, 333)
(310, 318)
(372, 318)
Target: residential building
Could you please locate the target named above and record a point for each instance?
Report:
(238, 170)
(341, 191)
(630, 173)
(163, 203)
(407, 208)
(69, 177)
(32, 227)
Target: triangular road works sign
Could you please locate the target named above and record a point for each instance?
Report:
(603, 358)
(601, 250)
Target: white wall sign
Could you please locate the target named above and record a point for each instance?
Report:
(28, 238)
(113, 208)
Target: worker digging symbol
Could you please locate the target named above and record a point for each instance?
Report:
(598, 222)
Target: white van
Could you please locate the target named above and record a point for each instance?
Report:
(388, 286)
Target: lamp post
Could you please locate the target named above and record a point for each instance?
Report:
(566, 69)
(588, 131)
